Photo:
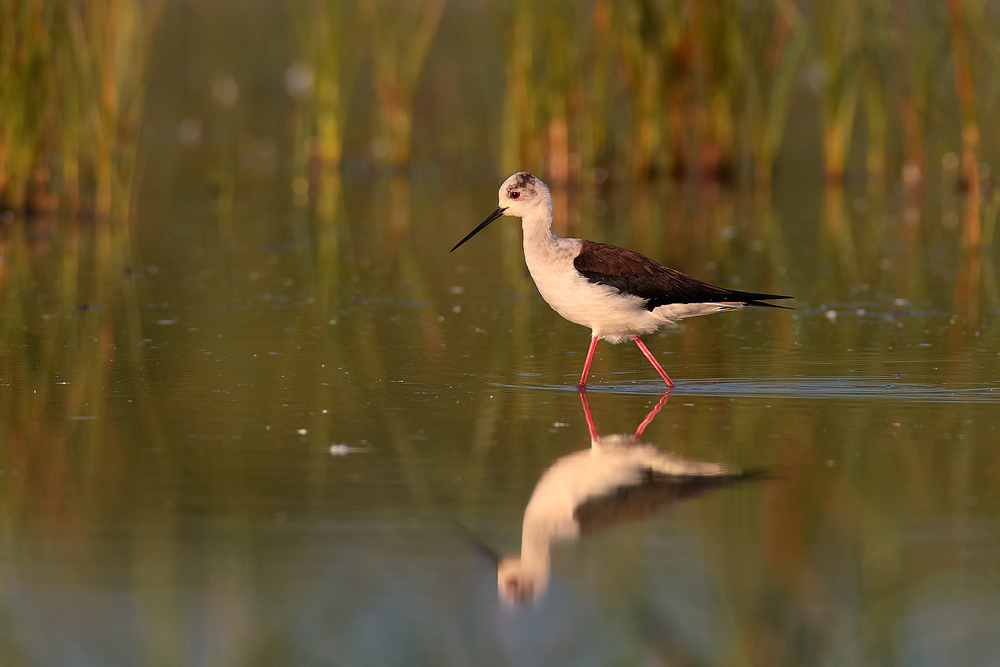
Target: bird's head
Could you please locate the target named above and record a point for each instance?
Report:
(520, 195)
(520, 582)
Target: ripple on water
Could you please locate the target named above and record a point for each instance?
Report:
(887, 388)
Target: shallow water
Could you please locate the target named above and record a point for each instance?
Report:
(253, 446)
(248, 437)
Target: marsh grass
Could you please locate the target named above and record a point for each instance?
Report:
(72, 87)
(707, 92)
(627, 90)
(330, 60)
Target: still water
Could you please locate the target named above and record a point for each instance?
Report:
(252, 438)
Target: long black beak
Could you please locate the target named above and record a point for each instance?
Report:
(482, 225)
(473, 541)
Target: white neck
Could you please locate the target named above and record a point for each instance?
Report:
(538, 224)
(535, 537)
(541, 244)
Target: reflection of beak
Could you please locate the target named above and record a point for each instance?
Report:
(482, 225)
(474, 540)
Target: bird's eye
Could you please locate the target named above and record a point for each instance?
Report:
(515, 195)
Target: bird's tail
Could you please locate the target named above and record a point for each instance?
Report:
(753, 299)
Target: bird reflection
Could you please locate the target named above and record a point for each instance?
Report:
(618, 478)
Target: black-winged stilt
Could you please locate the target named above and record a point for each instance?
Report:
(617, 479)
(619, 294)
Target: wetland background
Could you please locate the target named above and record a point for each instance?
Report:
(223, 250)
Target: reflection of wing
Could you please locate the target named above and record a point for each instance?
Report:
(631, 503)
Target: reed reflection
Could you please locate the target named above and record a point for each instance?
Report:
(618, 478)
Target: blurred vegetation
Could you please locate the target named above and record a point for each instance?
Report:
(697, 90)
(72, 84)
(724, 91)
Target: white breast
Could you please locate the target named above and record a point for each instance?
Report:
(610, 314)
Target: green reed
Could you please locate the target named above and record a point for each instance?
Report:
(330, 57)
(708, 90)
(71, 95)
(400, 36)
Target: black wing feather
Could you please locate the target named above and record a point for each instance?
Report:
(636, 274)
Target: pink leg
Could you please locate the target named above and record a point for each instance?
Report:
(652, 360)
(586, 364)
(652, 414)
(586, 413)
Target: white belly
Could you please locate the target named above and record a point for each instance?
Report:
(610, 314)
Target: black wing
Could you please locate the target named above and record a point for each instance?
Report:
(636, 274)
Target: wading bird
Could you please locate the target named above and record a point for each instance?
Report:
(619, 294)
